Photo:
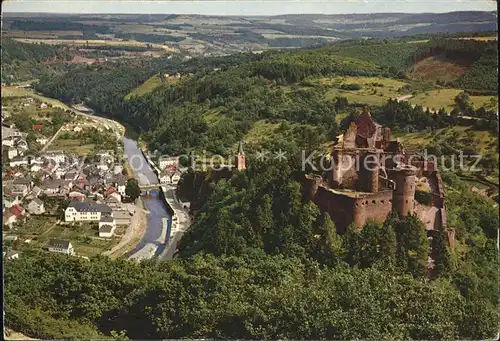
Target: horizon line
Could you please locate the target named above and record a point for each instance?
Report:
(238, 15)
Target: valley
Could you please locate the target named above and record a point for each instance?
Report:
(261, 132)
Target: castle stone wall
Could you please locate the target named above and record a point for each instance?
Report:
(344, 169)
(345, 209)
(376, 207)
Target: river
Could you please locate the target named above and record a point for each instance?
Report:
(148, 246)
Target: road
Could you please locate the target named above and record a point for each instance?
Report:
(133, 230)
(52, 139)
(183, 223)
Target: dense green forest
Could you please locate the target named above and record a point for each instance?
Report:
(27, 61)
(102, 87)
(251, 297)
(44, 25)
(408, 118)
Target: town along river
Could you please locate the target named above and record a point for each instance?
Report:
(149, 246)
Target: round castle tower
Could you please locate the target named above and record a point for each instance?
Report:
(370, 172)
(404, 193)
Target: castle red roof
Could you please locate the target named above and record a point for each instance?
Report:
(366, 125)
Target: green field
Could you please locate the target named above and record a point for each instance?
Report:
(11, 91)
(146, 87)
(72, 146)
(261, 130)
(96, 42)
(212, 117)
(482, 140)
(374, 90)
(445, 98)
(436, 99)
(84, 237)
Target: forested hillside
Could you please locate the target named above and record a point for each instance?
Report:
(27, 61)
(102, 87)
(480, 56)
(218, 100)
(254, 297)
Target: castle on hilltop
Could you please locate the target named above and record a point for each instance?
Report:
(370, 175)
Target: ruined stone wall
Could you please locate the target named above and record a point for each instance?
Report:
(374, 207)
(344, 169)
(311, 185)
(424, 168)
(440, 188)
(349, 140)
(345, 209)
(368, 176)
(340, 207)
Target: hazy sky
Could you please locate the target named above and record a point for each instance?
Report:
(248, 7)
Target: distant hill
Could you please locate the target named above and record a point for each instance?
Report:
(219, 35)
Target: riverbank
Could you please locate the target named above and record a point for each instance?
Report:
(150, 244)
(182, 223)
(133, 233)
(13, 335)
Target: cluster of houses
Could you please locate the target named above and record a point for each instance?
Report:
(169, 170)
(15, 143)
(95, 190)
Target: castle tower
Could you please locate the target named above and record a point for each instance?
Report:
(241, 157)
(404, 193)
(369, 172)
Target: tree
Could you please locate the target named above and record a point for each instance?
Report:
(352, 244)
(441, 254)
(264, 213)
(329, 243)
(387, 242)
(132, 189)
(412, 245)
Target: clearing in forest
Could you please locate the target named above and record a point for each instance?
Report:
(445, 98)
(373, 90)
(438, 68)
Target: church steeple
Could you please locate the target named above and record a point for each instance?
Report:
(241, 157)
(240, 148)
